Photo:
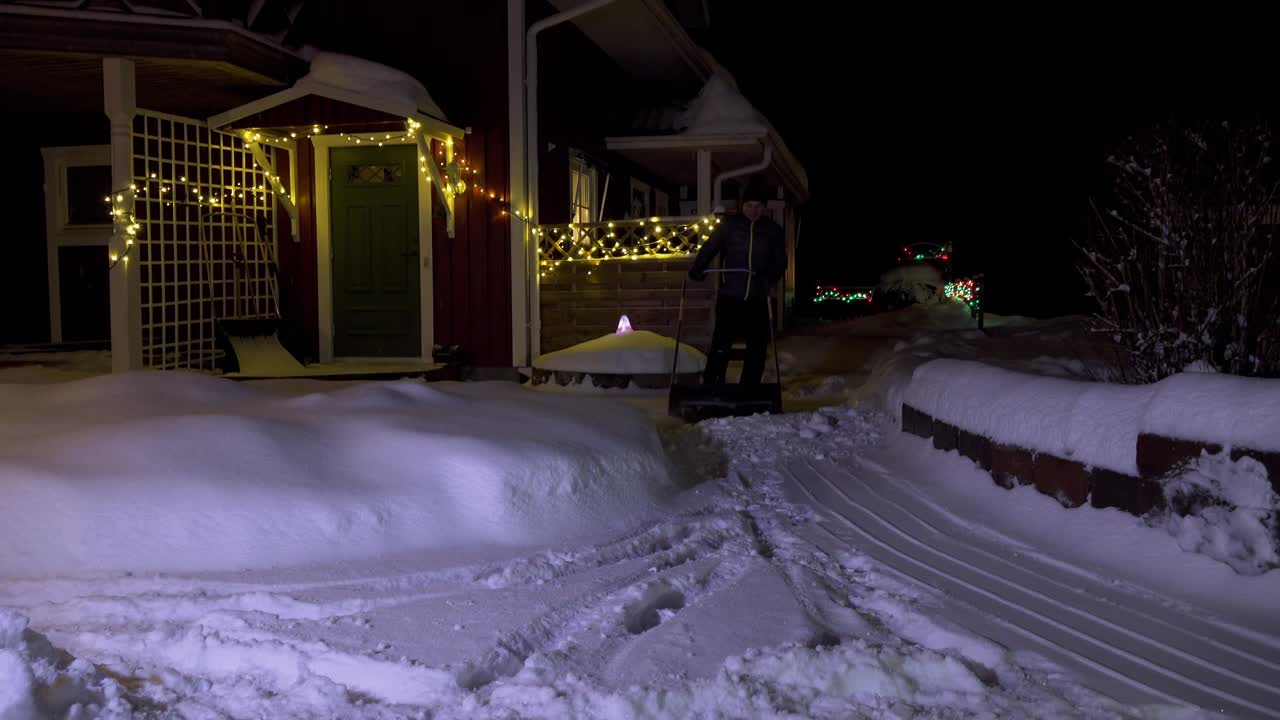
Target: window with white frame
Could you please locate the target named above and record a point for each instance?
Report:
(582, 191)
(76, 181)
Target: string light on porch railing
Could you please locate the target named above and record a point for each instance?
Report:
(595, 243)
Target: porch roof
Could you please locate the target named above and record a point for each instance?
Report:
(647, 41)
(60, 52)
(719, 120)
(334, 92)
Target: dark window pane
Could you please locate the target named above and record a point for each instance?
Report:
(374, 174)
(86, 187)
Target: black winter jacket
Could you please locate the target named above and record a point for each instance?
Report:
(744, 245)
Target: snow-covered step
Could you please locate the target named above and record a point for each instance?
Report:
(1105, 649)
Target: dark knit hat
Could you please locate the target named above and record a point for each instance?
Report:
(757, 190)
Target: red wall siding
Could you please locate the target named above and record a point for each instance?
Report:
(473, 269)
(299, 304)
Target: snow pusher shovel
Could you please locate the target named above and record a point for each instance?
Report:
(249, 332)
(693, 403)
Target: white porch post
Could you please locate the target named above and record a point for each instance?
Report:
(120, 104)
(520, 235)
(704, 183)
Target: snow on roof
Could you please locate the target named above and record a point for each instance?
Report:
(366, 77)
(720, 108)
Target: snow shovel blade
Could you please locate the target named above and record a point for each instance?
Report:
(694, 403)
(251, 347)
(249, 327)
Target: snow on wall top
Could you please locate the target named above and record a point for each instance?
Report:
(720, 108)
(1097, 423)
(396, 88)
(1225, 409)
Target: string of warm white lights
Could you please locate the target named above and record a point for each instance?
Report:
(124, 223)
(169, 192)
(595, 243)
(461, 176)
(461, 179)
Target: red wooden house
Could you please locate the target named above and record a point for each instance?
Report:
(388, 177)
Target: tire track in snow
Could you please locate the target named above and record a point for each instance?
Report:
(1197, 639)
(1031, 615)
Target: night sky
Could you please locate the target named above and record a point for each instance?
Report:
(988, 132)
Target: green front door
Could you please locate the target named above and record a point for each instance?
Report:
(376, 301)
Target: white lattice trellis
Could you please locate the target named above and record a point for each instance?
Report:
(200, 199)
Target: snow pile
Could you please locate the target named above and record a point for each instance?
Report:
(833, 432)
(720, 108)
(1057, 347)
(920, 283)
(914, 320)
(1225, 509)
(639, 352)
(39, 681)
(852, 679)
(161, 471)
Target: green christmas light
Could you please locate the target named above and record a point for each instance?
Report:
(835, 295)
(966, 291)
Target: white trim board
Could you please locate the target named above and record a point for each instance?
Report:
(58, 232)
(322, 144)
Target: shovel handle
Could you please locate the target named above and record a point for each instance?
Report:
(675, 356)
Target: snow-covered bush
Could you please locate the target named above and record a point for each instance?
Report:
(1225, 509)
(906, 284)
(1179, 254)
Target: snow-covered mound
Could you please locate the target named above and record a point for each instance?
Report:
(639, 352)
(1227, 510)
(159, 471)
(915, 283)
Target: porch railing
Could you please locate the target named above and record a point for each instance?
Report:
(655, 237)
